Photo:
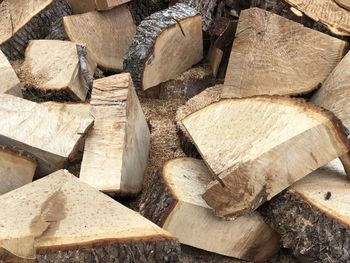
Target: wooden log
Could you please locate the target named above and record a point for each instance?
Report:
(141, 9)
(81, 109)
(174, 202)
(23, 20)
(116, 149)
(9, 81)
(153, 58)
(251, 164)
(51, 136)
(328, 12)
(265, 57)
(52, 70)
(313, 216)
(343, 3)
(116, 30)
(80, 7)
(60, 219)
(17, 168)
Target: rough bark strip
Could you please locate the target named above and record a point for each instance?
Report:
(144, 8)
(37, 28)
(147, 33)
(84, 68)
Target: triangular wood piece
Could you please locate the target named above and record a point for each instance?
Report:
(116, 149)
(16, 169)
(50, 135)
(59, 218)
(256, 147)
(52, 69)
(165, 45)
(328, 12)
(9, 80)
(266, 56)
(110, 42)
(85, 6)
(23, 20)
(313, 215)
(173, 201)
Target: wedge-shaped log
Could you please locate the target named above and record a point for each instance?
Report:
(23, 20)
(79, 7)
(60, 219)
(52, 69)
(154, 57)
(17, 168)
(50, 135)
(256, 147)
(116, 149)
(265, 57)
(116, 29)
(313, 215)
(173, 201)
(328, 12)
(9, 80)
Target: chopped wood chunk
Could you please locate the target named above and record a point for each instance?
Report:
(256, 147)
(79, 7)
(52, 70)
(272, 55)
(328, 12)
(82, 109)
(116, 149)
(165, 45)
(9, 80)
(174, 202)
(110, 42)
(313, 216)
(50, 135)
(60, 219)
(16, 169)
(23, 20)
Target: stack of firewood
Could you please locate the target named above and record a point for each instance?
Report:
(248, 159)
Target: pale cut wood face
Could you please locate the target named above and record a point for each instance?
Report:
(344, 3)
(175, 50)
(266, 56)
(15, 14)
(109, 44)
(8, 76)
(335, 92)
(328, 12)
(330, 178)
(59, 211)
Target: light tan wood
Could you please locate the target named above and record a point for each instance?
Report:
(82, 109)
(256, 147)
(16, 14)
(52, 136)
(53, 66)
(116, 149)
(9, 80)
(328, 12)
(60, 212)
(16, 169)
(266, 56)
(343, 3)
(193, 222)
(170, 59)
(85, 6)
(110, 42)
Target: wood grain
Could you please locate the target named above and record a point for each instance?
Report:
(9, 80)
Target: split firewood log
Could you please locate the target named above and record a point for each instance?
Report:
(116, 29)
(116, 149)
(23, 20)
(256, 147)
(328, 12)
(265, 59)
(81, 109)
(60, 219)
(17, 168)
(80, 7)
(312, 216)
(55, 69)
(9, 81)
(153, 57)
(50, 135)
(173, 201)
(141, 9)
